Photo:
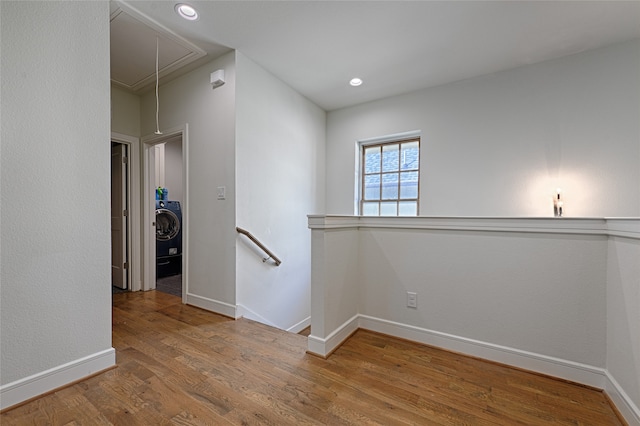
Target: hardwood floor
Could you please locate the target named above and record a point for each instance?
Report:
(184, 366)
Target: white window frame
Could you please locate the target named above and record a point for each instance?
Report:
(359, 150)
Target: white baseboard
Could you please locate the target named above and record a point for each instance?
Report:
(551, 366)
(556, 367)
(324, 346)
(244, 312)
(569, 370)
(627, 408)
(212, 305)
(247, 313)
(38, 384)
(297, 328)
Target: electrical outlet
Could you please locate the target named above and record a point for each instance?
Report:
(412, 299)
(221, 192)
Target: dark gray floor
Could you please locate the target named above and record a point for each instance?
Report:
(171, 285)
(116, 290)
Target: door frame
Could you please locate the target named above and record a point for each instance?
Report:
(133, 202)
(148, 199)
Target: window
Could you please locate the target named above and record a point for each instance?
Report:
(389, 178)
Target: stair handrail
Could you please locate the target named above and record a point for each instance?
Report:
(259, 244)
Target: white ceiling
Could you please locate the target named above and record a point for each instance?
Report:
(394, 46)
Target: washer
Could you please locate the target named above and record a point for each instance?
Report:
(168, 238)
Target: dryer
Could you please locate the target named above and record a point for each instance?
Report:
(168, 238)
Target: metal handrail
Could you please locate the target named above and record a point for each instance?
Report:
(259, 244)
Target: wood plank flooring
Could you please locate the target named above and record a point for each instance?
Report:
(184, 366)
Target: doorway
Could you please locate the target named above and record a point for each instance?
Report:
(125, 214)
(165, 212)
(120, 227)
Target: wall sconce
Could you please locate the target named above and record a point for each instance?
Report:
(558, 204)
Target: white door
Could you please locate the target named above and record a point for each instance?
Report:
(119, 174)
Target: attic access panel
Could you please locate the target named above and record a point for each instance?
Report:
(133, 50)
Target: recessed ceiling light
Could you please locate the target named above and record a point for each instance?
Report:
(186, 11)
(355, 82)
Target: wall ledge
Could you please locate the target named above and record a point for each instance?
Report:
(621, 227)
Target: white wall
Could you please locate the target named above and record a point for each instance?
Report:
(335, 289)
(280, 179)
(538, 292)
(173, 180)
(125, 112)
(55, 309)
(210, 115)
(500, 144)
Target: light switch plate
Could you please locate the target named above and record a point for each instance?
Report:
(412, 299)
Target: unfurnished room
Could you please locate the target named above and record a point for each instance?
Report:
(320, 212)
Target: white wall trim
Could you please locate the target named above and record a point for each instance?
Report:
(121, 137)
(587, 226)
(244, 312)
(556, 367)
(32, 386)
(297, 328)
(186, 222)
(212, 305)
(324, 347)
(390, 138)
(607, 227)
(623, 227)
(627, 408)
(325, 222)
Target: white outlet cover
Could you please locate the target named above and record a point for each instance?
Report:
(221, 193)
(412, 299)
